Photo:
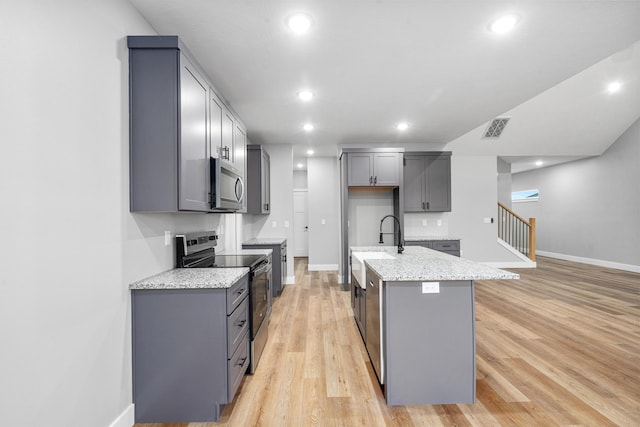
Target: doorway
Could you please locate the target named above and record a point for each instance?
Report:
(300, 224)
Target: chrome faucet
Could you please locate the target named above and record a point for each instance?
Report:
(400, 247)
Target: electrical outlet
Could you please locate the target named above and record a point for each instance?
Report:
(439, 223)
(324, 221)
(167, 237)
(424, 222)
(430, 287)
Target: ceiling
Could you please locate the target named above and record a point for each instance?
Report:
(433, 64)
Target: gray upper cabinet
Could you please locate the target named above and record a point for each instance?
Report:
(258, 180)
(240, 154)
(427, 182)
(177, 123)
(374, 169)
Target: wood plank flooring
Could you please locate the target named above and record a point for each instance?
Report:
(560, 347)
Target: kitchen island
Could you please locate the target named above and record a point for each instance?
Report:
(418, 321)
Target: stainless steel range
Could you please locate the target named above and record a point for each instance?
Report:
(197, 250)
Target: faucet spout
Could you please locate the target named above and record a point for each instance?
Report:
(400, 246)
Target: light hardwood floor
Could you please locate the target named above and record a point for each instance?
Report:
(561, 346)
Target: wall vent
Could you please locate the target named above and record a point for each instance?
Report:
(496, 127)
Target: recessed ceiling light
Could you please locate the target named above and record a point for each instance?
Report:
(310, 152)
(614, 87)
(402, 126)
(539, 163)
(504, 24)
(305, 95)
(299, 23)
(300, 165)
(307, 127)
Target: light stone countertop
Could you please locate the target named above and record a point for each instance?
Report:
(421, 238)
(247, 252)
(422, 264)
(265, 241)
(192, 278)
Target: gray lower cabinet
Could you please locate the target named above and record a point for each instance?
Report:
(427, 182)
(374, 169)
(190, 351)
(258, 180)
(426, 351)
(451, 247)
(279, 263)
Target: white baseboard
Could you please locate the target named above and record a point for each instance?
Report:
(598, 262)
(126, 418)
(290, 280)
(322, 267)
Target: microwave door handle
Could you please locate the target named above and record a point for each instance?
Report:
(240, 196)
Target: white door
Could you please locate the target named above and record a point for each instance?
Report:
(300, 224)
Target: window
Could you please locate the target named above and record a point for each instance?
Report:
(525, 196)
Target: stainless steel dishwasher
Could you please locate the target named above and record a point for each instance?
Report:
(373, 326)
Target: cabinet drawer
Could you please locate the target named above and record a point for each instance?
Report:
(237, 293)
(423, 243)
(237, 326)
(445, 245)
(237, 366)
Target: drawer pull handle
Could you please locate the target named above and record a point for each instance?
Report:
(241, 361)
(241, 323)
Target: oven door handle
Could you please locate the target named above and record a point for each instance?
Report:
(263, 267)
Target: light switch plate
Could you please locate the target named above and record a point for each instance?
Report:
(274, 224)
(167, 238)
(324, 221)
(430, 287)
(424, 222)
(286, 224)
(439, 223)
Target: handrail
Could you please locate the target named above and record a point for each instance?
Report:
(517, 231)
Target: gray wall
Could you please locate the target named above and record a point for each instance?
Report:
(65, 320)
(322, 203)
(504, 183)
(589, 208)
(474, 196)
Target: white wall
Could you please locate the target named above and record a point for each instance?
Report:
(504, 183)
(366, 209)
(323, 204)
(589, 208)
(65, 317)
(300, 180)
(281, 156)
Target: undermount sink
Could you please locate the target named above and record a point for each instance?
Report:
(358, 267)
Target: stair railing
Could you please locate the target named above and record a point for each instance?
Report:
(517, 231)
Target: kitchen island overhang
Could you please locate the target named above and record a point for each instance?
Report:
(420, 324)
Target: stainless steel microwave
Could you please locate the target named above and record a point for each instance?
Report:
(227, 186)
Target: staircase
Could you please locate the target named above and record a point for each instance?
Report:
(517, 231)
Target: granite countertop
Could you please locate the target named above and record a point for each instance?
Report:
(421, 238)
(192, 278)
(266, 241)
(418, 263)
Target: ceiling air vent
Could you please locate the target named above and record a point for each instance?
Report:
(496, 127)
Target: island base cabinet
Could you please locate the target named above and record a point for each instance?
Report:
(429, 343)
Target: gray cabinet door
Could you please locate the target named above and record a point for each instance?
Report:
(227, 149)
(216, 112)
(414, 184)
(386, 169)
(194, 148)
(427, 182)
(438, 183)
(360, 169)
(266, 183)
